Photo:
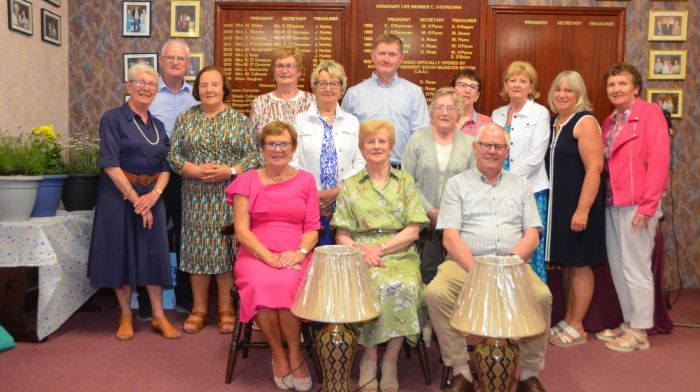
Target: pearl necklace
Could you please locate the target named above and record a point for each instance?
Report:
(144, 135)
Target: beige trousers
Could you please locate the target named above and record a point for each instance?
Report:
(441, 297)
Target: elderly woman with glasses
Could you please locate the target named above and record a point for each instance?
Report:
(129, 242)
(328, 139)
(286, 100)
(467, 83)
(432, 156)
(276, 218)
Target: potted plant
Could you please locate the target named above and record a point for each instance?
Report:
(21, 162)
(80, 188)
(48, 194)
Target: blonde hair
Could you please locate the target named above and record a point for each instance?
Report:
(449, 92)
(335, 70)
(575, 82)
(372, 126)
(141, 68)
(518, 67)
(286, 51)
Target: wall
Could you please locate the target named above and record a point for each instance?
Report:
(96, 86)
(35, 74)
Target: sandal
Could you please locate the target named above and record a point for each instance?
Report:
(126, 329)
(557, 329)
(166, 329)
(569, 337)
(629, 341)
(608, 335)
(389, 382)
(225, 321)
(368, 376)
(197, 319)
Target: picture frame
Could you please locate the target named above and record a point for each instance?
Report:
(57, 3)
(667, 64)
(668, 25)
(136, 19)
(184, 18)
(196, 65)
(50, 27)
(670, 99)
(133, 58)
(20, 16)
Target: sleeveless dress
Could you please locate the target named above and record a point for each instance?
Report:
(566, 173)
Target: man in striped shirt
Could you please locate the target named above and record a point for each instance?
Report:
(485, 211)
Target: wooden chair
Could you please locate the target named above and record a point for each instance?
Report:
(242, 337)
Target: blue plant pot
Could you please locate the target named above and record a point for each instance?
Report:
(48, 195)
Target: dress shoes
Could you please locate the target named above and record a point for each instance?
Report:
(459, 383)
(531, 384)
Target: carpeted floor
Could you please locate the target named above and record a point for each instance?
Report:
(84, 356)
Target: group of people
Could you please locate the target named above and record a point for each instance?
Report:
(136, 18)
(378, 172)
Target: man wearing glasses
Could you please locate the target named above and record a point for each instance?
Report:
(386, 96)
(174, 96)
(485, 211)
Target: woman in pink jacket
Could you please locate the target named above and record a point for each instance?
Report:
(636, 167)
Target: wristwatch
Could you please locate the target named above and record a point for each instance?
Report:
(304, 251)
(158, 191)
(233, 172)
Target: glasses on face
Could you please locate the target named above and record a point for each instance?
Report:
(173, 59)
(143, 83)
(488, 146)
(272, 146)
(334, 84)
(467, 86)
(448, 108)
(288, 67)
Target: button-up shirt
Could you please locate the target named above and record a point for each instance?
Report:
(167, 104)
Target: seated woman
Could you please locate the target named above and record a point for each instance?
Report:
(379, 210)
(276, 217)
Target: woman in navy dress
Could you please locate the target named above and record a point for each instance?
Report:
(129, 243)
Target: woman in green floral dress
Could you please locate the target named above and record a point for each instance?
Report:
(379, 210)
(211, 144)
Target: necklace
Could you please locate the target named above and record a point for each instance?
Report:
(279, 178)
(144, 135)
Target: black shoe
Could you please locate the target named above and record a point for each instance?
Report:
(531, 384)
(459, 383)
(144, 314)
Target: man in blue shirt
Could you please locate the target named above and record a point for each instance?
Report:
(174, 97)
(387, 96)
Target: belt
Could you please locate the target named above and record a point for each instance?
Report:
(141, 179)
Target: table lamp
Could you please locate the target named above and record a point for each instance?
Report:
(497, 302)
(336, 290)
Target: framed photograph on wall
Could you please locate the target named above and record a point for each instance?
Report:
(19, 16)
(668, 25)
(134, 58)
(57, 3)
(196, 65)
(667, 64)
(136, 19)
(670, 99)
(50, 27)
(184, 18)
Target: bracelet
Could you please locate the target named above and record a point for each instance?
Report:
(126, 195)
(158, 191)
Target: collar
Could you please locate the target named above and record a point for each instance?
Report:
(527, 108)
(474, 119)
(312, 112)
(130, 114)
(485, 180)
(298, 96)
(364, 175)
(161, 85)
(395, 79)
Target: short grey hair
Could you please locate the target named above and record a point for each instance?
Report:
(175, 41)
(141, 68)
(492, 126)
(449, 92)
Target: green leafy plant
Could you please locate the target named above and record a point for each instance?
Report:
(45, 139)
(83, 154)
(19, 156)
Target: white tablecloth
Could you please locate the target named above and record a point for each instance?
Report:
(59, 246)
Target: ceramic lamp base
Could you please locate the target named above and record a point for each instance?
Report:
(496, 360)
(336, 344)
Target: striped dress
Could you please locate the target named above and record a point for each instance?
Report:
(267, 108)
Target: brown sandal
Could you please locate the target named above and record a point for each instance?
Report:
(225, 321)
(198, 319)
(163, 326)
(126, 329)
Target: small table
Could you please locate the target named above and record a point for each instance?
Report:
(58, 246)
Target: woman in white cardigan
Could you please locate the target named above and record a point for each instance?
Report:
(528, 124)
(327, 140)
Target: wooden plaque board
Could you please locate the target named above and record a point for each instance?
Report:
(554, 39)
(247, 33)
(440, 37)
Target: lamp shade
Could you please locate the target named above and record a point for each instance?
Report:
(336, 288)
(497, 300)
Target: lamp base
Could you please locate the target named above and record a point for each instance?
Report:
(336, 344)
(496, 360)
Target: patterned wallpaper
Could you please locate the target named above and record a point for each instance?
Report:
(96, 67)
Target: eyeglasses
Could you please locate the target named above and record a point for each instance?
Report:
(441, 108)
(172, 59)
(468, 86)
(272, 146)
(289, 66)
(143, 83)
(334, 84)
(487, 146)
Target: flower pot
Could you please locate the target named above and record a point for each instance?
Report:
(80, 191)
(48, 195)
(17, 196)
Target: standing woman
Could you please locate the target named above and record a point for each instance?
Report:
(467, 83)
(576, 220)
(129, 242)
(432, 156)
(528, 124)
(286, 100)
(327, 139)
(212, 143)
(636, 147)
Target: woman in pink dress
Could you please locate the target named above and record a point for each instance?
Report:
(276, 216)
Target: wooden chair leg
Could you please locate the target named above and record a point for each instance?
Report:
(424, 364)
(407, 349)
(247, 336)
(446, 375)
(233, 351)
